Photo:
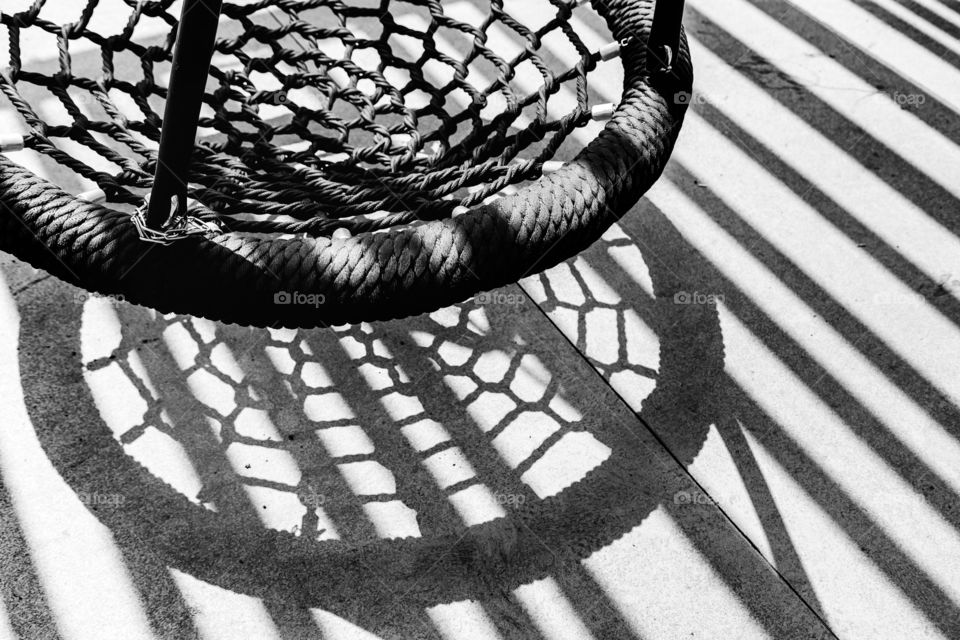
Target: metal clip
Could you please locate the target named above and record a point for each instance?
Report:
(97, 196)
(178, 227)
(603, 112)
(667, 53)
(610, 51)
(9, 143)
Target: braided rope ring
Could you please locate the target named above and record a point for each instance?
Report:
(370, 276)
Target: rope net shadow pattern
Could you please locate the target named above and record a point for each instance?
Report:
(324, 114)
(366, 453)
(494, 445)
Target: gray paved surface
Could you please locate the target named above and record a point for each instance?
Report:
(733, 417)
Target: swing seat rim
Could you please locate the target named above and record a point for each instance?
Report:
(308, 282)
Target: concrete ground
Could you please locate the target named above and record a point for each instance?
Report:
(736, 416)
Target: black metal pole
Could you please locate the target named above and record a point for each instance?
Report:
(192, 54)
(664, 42)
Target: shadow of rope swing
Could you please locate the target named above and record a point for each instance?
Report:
(335, 556)
(340, 216)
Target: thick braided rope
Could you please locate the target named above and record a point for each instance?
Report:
(372, 276)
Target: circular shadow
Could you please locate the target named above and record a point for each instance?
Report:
(449, 561)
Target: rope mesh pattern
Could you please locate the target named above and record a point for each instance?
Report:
(319, 114)
(288, 419)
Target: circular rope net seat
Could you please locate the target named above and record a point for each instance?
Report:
(345, 160)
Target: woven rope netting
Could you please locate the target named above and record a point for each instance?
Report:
(318, 114)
